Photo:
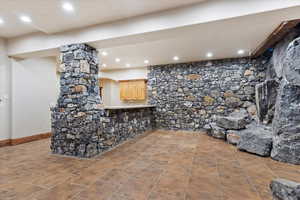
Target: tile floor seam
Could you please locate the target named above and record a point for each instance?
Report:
(147, 147)
(156, 182)
(119, 184)
(272, 172)
(61, 182)
(77, 194)
(190, 177)
(45, 188)
(250, 182)
(219, 178)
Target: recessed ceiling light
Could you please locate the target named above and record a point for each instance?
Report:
(175, 58)
(209, 55)
(104, 53)
(104, 65)
(127, 65)
(1, 21)
(67, 6)
(25, 19)
(146, 61)
(117, 60)
(241, 52)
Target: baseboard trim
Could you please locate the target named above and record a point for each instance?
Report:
(4, 143)
(12, 142)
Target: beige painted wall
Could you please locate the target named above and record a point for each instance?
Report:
(111, 87)
(34, 88)
(5, 93)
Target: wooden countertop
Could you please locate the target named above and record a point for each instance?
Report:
(127, 107)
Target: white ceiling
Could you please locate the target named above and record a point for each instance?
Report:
(223, 38)
(49, 17)
(189, 32)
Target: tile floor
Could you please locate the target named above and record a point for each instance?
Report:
(162, 165)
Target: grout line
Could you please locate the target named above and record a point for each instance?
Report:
(272, 172)
(220, 180)
(43, 187)
(157, 180)
(119, 185)
(191, 172)
(76, 194)
(249, 181)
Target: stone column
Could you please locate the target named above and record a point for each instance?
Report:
(76, 117)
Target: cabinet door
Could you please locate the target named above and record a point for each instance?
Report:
(141, 90)
(123, 88)
(130, 91)
(134, 90)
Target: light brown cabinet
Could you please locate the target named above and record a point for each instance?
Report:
(133, 90)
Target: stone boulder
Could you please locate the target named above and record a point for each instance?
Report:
(235, 121)
(286, 148)
(233, 136)
(279, 54)
(256, 139)
(287, 112)
(286, 123)
(291, 64)
(285, 190)
(215, 131)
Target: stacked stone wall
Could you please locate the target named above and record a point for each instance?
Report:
(187, 95)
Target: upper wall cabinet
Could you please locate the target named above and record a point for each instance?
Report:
(133, 90)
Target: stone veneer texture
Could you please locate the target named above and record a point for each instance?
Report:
(75, 118)
(122, 124)
(187, 95)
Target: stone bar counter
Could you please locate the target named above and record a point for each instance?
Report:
(120, 123)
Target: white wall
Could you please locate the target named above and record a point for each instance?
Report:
(5, 91)
(111, 87)
(34, 88)
(34, 85)
(125, 74)
(106, 91)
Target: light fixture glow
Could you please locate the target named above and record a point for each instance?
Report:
(104, 53)
(175, 58)
(241, 52)
(128, 65)
(67, 6)
(117, 60)
(104, 65)
(209, 55)
(1, 21)
(25, 19)
(146, 61)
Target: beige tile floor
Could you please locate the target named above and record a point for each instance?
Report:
(162, 165)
